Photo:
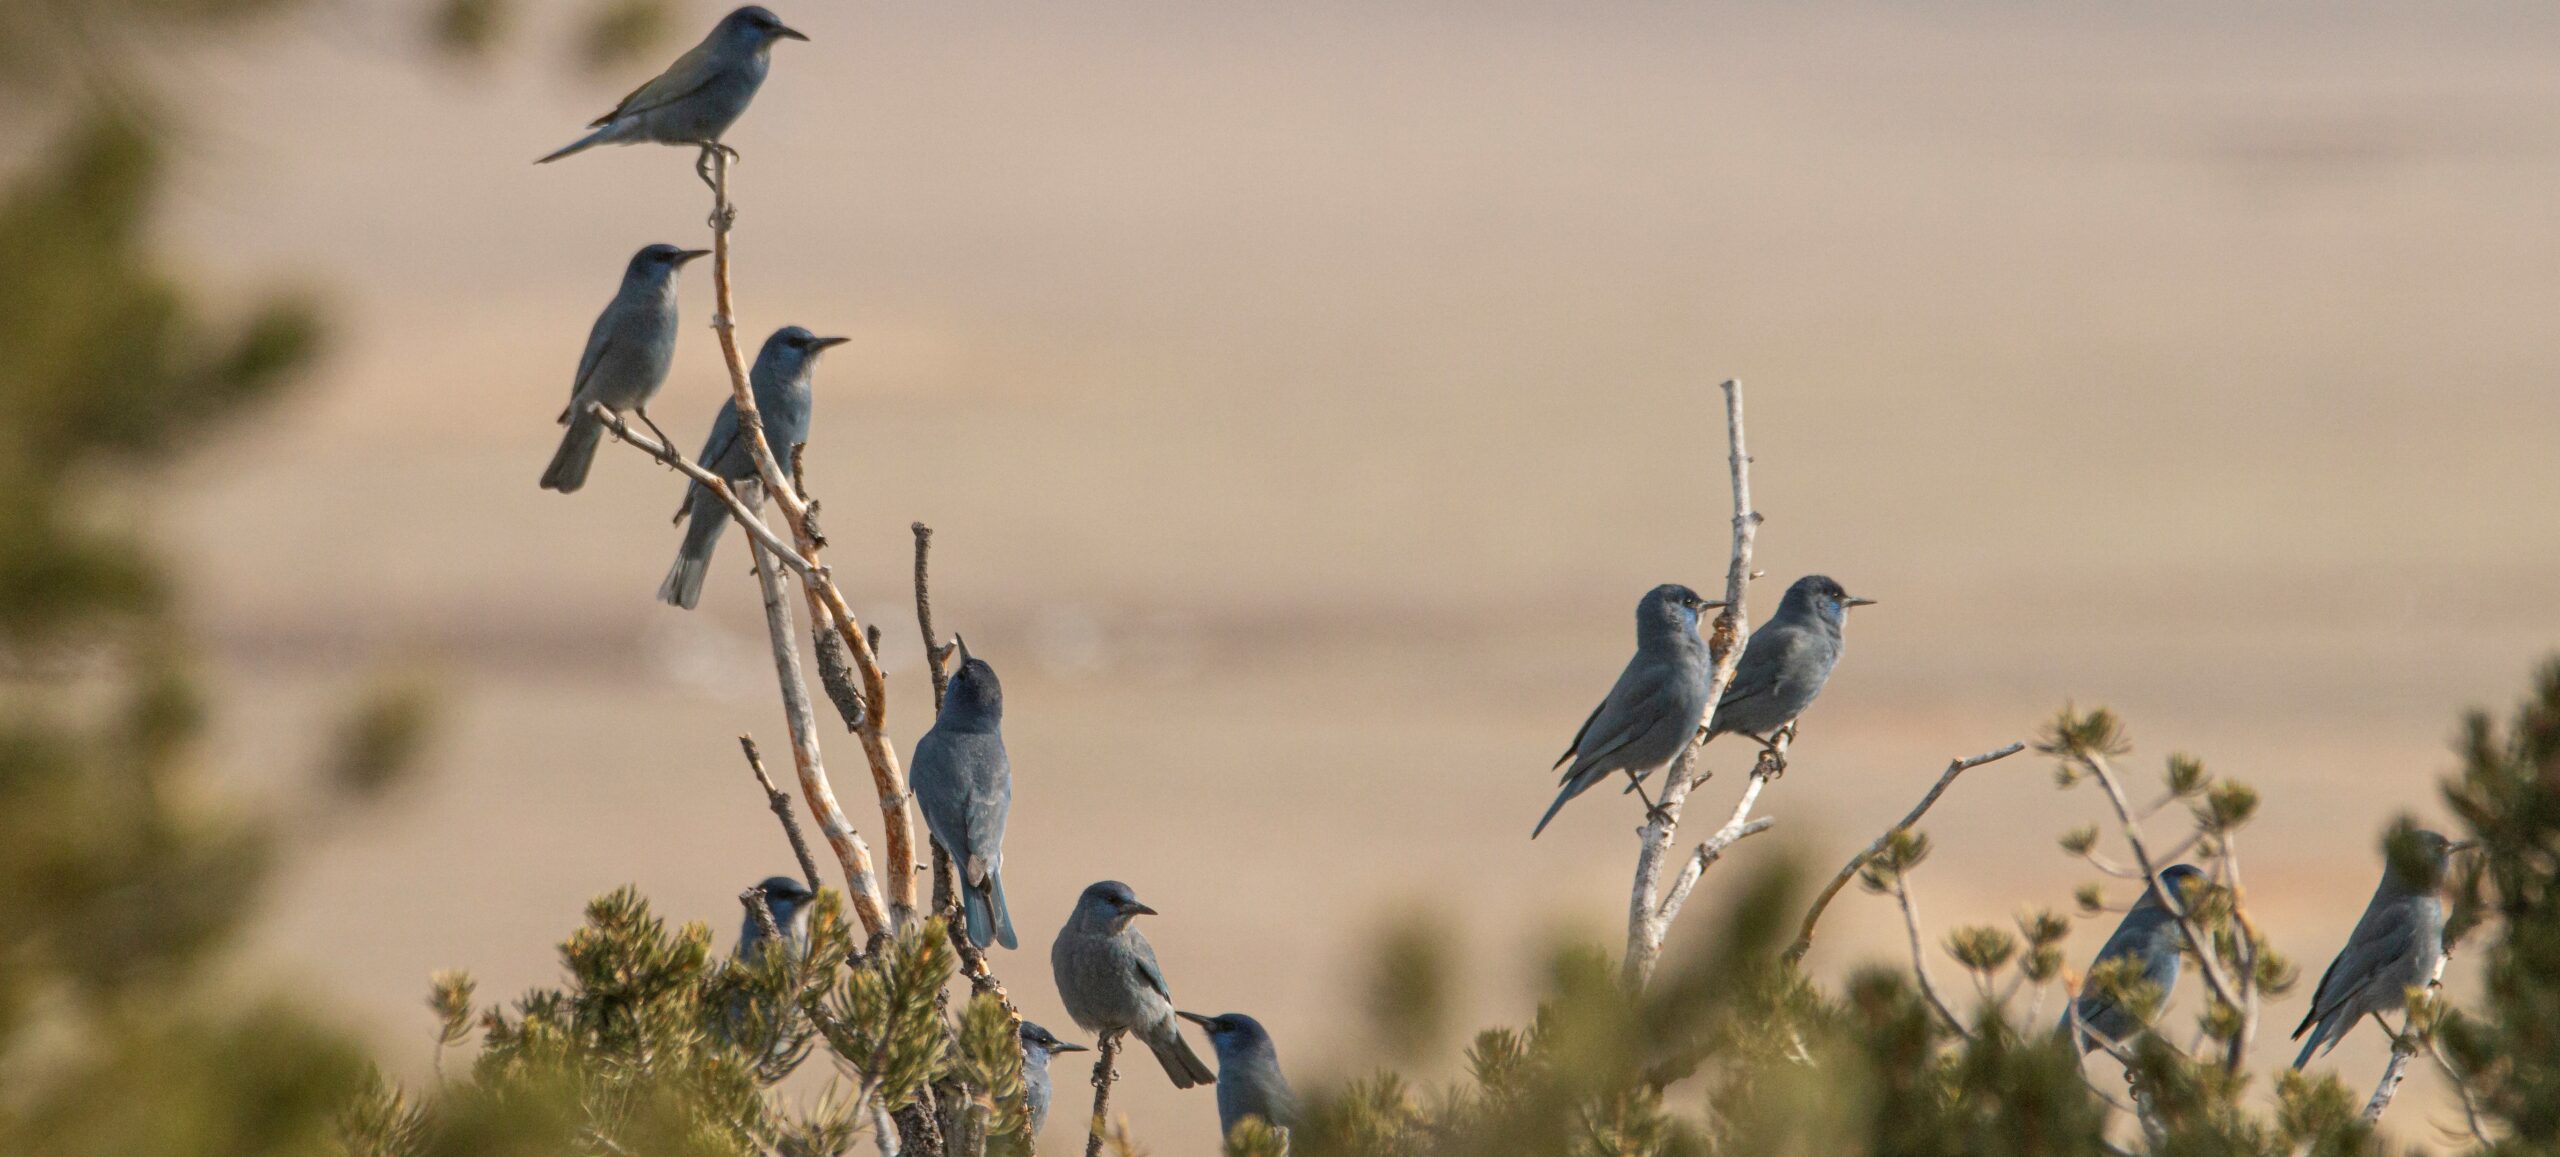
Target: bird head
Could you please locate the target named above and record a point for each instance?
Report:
(1110, 905)
(792, 350)
(1040, 1042)
(2417, 858)
(1672, 605)
(756, 27)
(973, 688)
(1820, 595)
(659, 262)
(785, 895)
(1231, 1033)
(2179, 880)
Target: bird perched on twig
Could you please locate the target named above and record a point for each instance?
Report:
(1038, 1045)
(789, 900)
(628, 352)
(2149, 933)
(964, 786)
(781, 384)
(1653, 710)
(2394, 948)
(1787, 661)
(1108, 979)
(1250, 1083)
(699, 96)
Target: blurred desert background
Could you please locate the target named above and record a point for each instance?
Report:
(1304, 393)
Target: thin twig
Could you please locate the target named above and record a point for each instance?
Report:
(780, 802)
(1920, 955)
(2197, 944)
(1646, 927)
(1106, 1055)
(1804, 934)
(2401, 1049)
(936, 652)
(1772, 764)
(2462, 1089)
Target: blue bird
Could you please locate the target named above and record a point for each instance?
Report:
(628, 352)
(1038, 1045)
(2149, 933)
(1787, 661)
(1653, 710)
(964, 787)
(699, 96)
(2394, 948)
(1108, 979)
(1250, 1083)
(781, 384)
(790, 901)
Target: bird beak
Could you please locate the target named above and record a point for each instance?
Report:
(961, 647)
(1064, 1047)
(1712, 604)
(1195, 1018)
(1136, 909)
(1855, 601)
(787, 32)
(2464, 846)
(688, 255)
(824, 342)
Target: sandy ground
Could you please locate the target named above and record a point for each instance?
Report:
(1304, 395)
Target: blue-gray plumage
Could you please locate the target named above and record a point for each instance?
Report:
(628, 352)
(1653, 710)
(1108, 979)
(2394, 948)
(2149, 933)
(789, 901)
(781, 384)
(699, 96)
(964, 786)
(1038, 1045)
(1787, 661)
(1250, 1083)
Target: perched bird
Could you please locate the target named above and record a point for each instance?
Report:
(1786, 662)
(964, 786)
(1653, 710)
(628, 351)
(1249, 1080)
(2394, 948)
(789, 900)
(1038, 1045)
(1108, 979)
(699, 96)
(781, 384)
(2149, 933)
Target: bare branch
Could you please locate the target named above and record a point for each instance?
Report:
(1106, 1057)
(780, 802)
(2402, 1048)
(1920, 954)
(851, 854)
(1804, 934)
(936, 652)
(1772, 764)
(1646, 926)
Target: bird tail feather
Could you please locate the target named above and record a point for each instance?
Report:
(2311, 1048)
(568, 469)
(984, 910)
(607, 134)
(1173, 1051)
(683, 587)
(1572, 788)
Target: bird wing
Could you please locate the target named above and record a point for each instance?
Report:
(1576, 745)
(724, 435)
(1142, 962)
(1637, 710)
(1763, 657)
(599, 340)
(2387, 933)
(691, 73)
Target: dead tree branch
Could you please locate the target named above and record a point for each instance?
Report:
(850, 851)
(1804, 934)
(780, 801)
(1646, 924)
(1106, 1057)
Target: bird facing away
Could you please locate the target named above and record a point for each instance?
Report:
(1249, 1080)
(628, 352)
(1038, 1045)
(2149, 933)
(2394, 948)
(1787, 661)
(789, 900)
(1652, 712)
(699, 96)
(964, 786)
(1108, 979)
(781, 384)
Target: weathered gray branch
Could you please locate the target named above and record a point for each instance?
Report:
(1646, 925)
(1804, 934)
(851, 853)
(1105, 1061)
(780, 801)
